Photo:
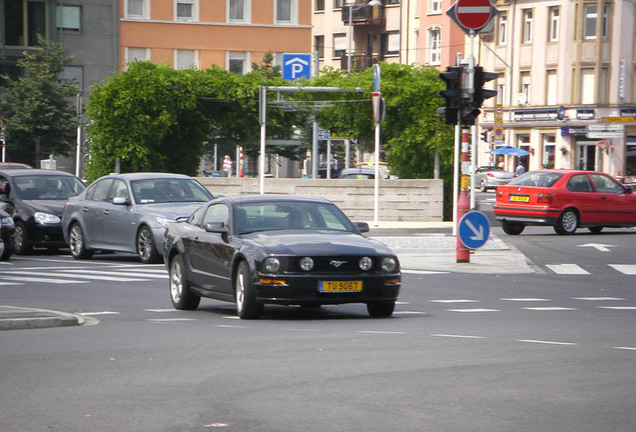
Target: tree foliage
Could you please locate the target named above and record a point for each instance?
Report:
(38, 109)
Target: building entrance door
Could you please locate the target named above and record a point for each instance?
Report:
(587, 158)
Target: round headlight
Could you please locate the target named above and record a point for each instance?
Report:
(366, 263)
(271, 265)
(306, 263)
(389, 264)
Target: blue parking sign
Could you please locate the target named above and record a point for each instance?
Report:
(296, 66)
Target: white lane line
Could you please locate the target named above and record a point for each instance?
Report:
(379, 332)
(107, 273)
(528, 299)
(546, 342)
(457, 336)
(161, 310)
(409, 313)
(597, 298)
(159, 271)
(40, 279)
(628, 269)
(161, 320)
(99, 277)
(401, 303)
(422, 272)
(454, 301)
(98, 313)
(618, 307)
(625, 348)
(555, 308)
(10, 283)
(473, 310)
(231, 326)
(567, 269)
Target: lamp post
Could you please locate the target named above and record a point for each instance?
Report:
(351, 9)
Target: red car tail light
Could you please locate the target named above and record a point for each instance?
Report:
(490, 174)
(544, 198)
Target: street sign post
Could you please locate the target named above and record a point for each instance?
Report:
(474, 229)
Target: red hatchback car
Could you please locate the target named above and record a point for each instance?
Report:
(565, 199)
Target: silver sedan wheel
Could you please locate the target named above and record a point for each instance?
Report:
(146, 246)
(77, 243)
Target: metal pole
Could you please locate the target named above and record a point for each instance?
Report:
(263, 118)
(314, 151)
(376, 188)
(78, 156)
(349, 45)
(471, 92)
(456, 177)
(328, 158)
(463, 253)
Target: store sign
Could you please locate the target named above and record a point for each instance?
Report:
(585, 114)
(628, 112)
(536, 115)
(573, 130)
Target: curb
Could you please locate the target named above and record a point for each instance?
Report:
(18, 318)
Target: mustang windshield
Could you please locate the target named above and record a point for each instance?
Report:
(285, 215)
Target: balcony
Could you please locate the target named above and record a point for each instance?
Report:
(372, 15)
(360, 62)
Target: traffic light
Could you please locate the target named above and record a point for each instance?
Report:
(453, 93)
(480, 94)
(469, 114)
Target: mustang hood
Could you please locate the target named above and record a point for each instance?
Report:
(317, 243)
(171, 210)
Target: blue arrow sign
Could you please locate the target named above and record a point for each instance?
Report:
(296, 66)
(474, 229)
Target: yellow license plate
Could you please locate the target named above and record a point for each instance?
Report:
(340, 286)
(519, 198)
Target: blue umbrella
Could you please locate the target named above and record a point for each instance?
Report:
(510, 151)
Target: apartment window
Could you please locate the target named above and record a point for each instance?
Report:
(501, 88)
(73, 75)
(185, 59)
(68, 17)
(588, 86)
(527, 26)
(502, 28)
(549, 145)
(603, 83)
(136, 54)
(553, 30)
(435, 6)
(24, 21)
(186, 10)
(524, 88)
(605, 25)
(390, 42)
(434, 46)
(137, 9)
(589, 20)
(391, 2)
(238, 11)
(339, 45)
(286, 12)
(237, 62)
(338, 4)
(319, 45)
(551, 87)
(319, 6)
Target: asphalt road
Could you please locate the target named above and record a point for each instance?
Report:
(463, 352)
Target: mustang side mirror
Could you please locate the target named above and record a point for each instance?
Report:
(362, 226)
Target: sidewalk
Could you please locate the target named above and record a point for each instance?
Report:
(420, 246)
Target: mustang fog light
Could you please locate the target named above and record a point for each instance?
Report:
(45, 218)
(389, 264)
(265, 281)
(271, 265)
(306, 263)
(366, 263)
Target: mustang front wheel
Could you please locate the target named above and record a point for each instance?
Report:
(381, 309)
(246, 305)
(180, 293)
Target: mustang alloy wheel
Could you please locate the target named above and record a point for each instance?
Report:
(77, 244)
(246, 305)
(180, 293)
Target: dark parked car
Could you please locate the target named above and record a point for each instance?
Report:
(35, 199)
(7, 227)
(357, 173)
(129, 213)
(14, 165)
(566, 200)
(278, 249)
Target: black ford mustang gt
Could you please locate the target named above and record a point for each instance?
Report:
(278, 249)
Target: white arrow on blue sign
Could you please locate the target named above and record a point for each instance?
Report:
(296, 66)
(474, 229)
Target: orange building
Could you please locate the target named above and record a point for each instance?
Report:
(227, 33)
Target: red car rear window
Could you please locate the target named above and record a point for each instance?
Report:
(541, 179)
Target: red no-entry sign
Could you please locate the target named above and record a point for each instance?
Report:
(473, 14)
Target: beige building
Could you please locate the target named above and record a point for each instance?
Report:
(566, 83)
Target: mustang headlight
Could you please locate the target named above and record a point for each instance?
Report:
(271, 265)
(366, 263)
(389, 264)
(46, 218)
(306, 263)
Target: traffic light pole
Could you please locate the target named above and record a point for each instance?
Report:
(471, 91)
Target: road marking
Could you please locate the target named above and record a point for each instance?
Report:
(473, 310)
(528, 299)
(546, 342)
(409, 313)
(625, 348)
(422, 272)
(379, 332)
(160, 320)
(160, 310)
(11, 283)
(454, 301)
(628, 269)
(600, 247)
(98, 313)
(547, 308)
(39, 279)
(80, 274)
(158, 271)
(102, 272)
(567, 269)
(618, 307)
(457, 336)
(597, 298)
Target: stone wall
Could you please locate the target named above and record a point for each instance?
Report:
(400, 200)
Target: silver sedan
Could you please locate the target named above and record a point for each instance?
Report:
(489, 177)
(129, 213)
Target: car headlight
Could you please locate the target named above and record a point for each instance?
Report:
(389, 264)
(46, 218)
(7, 222)
(271, 265)
(163, 222)
(366, 263)
(306, 263)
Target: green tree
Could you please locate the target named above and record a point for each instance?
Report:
(38, 108)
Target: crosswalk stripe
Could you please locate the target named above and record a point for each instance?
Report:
(101, 272)
(67, 273)
(567, 269)
(473, 310)
(40, 279)
(549, 308)
(628, 269)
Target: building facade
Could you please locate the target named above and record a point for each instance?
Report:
(566, 83)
